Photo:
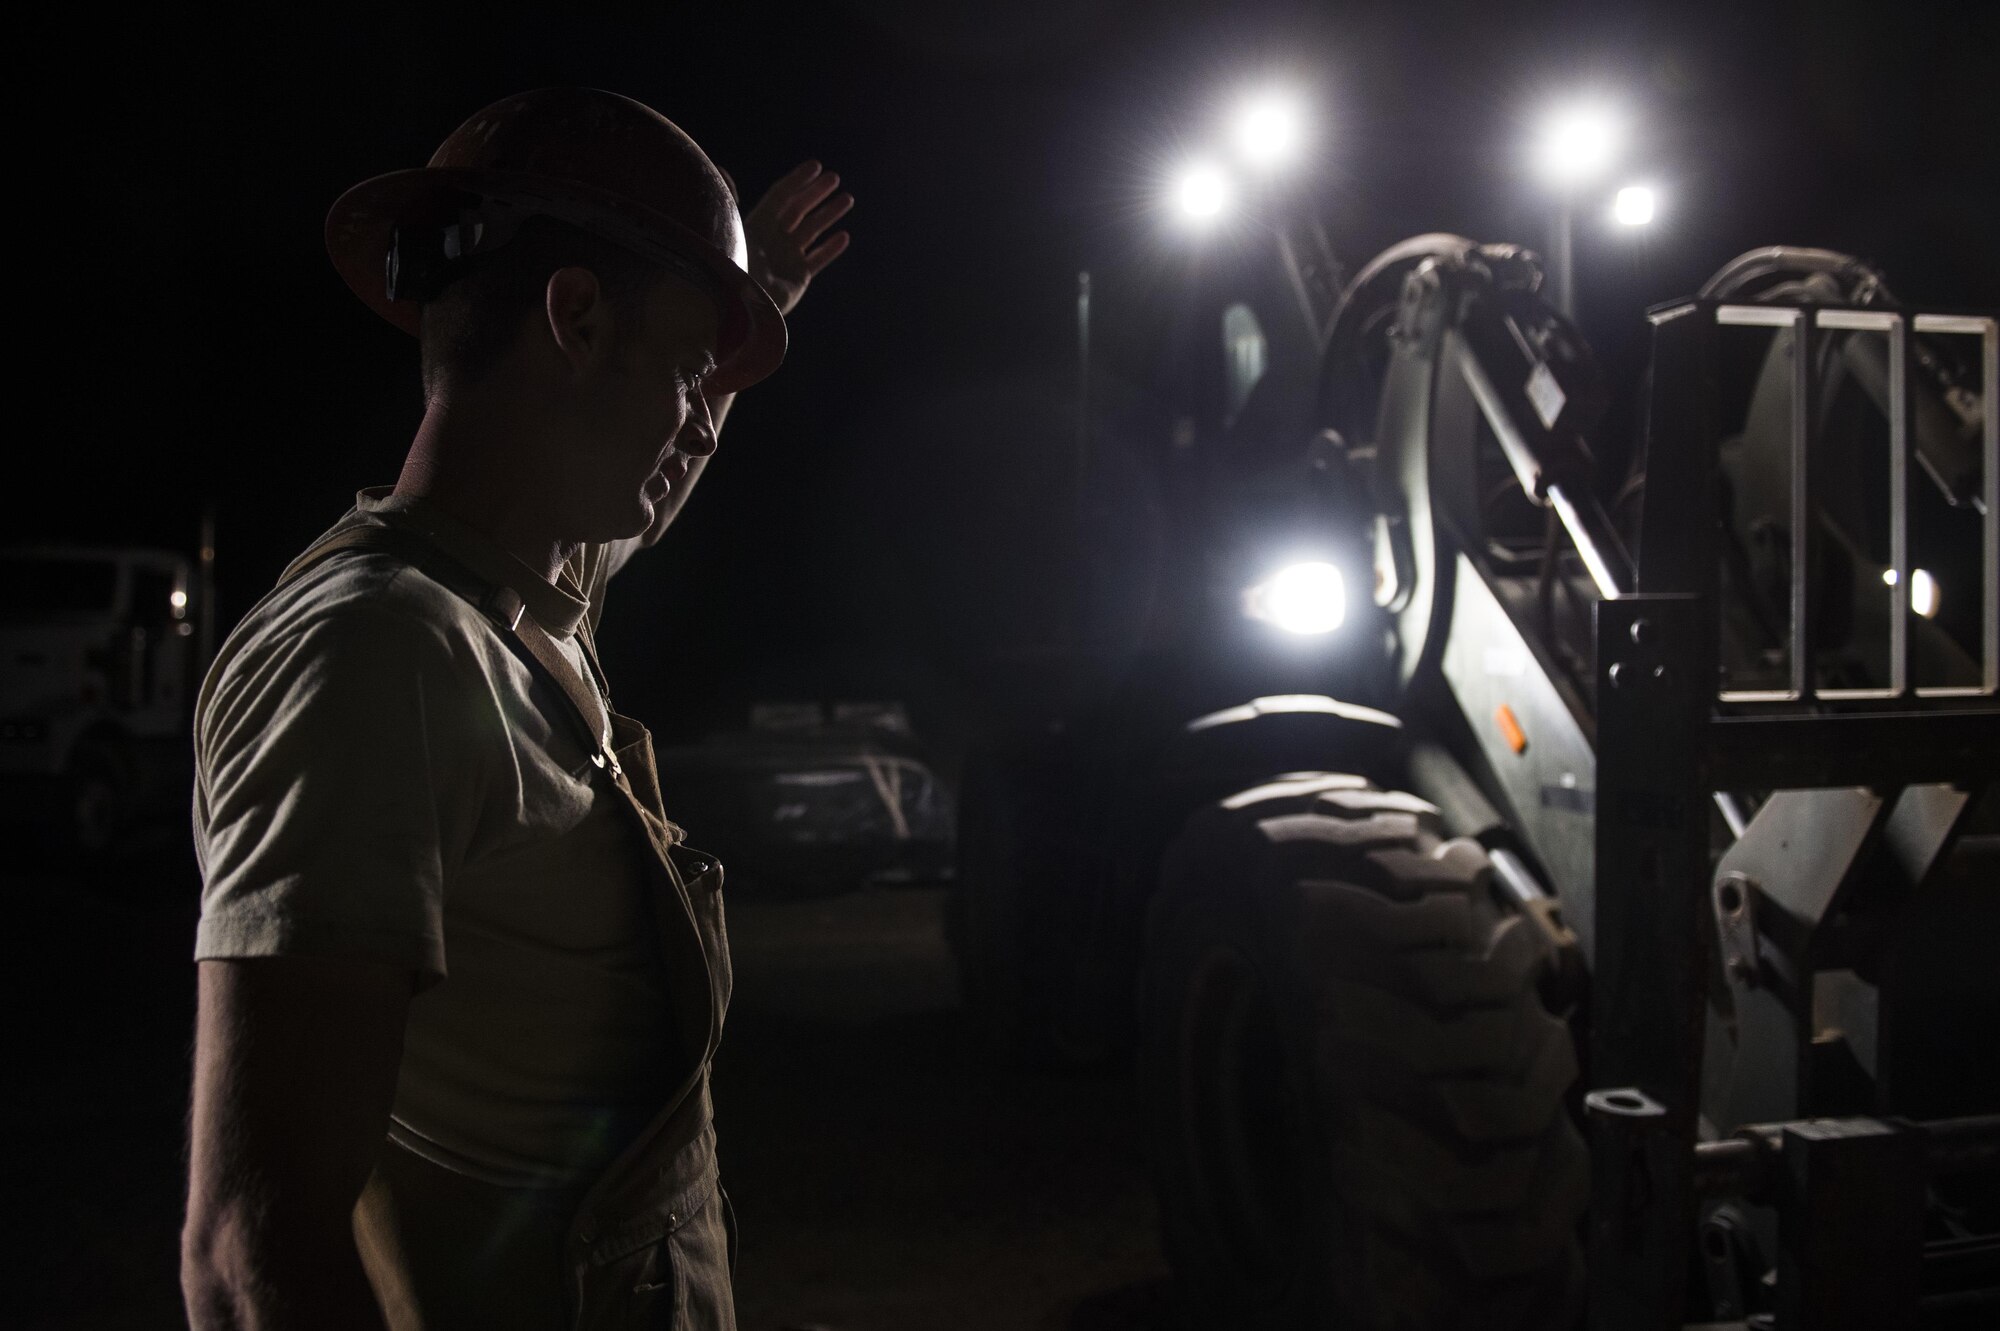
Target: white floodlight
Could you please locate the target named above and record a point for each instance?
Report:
(1578, 144)
(1269, 128)
(1309, 598)
(1923, 593)
(1202, 191)
(1923, 590)
(1634, 205)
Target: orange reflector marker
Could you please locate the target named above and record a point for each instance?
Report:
(1510, 729)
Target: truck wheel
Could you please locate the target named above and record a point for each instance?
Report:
(1356, 1095)
(1013, 914)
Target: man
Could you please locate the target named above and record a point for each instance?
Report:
(460, 976)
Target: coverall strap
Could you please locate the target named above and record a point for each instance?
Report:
(589, 707)
(498, 603)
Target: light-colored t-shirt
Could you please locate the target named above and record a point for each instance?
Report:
(380, 777)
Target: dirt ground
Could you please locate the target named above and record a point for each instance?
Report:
(886, 1177)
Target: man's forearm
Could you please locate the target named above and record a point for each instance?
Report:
(295, 1063)
(239, 1273)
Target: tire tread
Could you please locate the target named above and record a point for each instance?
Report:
(1440, 1078)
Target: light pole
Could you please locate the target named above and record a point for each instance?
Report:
(1562, 256)
(1082, 389)
(1577, 145)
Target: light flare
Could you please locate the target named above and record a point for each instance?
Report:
(1634, 206)
(1269, 128)
(1202, 191)
(1307, 599)
(1578, 144)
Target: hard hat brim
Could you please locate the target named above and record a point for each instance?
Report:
(362, 222)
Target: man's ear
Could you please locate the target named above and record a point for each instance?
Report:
(579, 318)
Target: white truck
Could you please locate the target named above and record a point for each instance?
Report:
(101, 651)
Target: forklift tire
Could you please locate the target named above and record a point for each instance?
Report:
(1357, 1097)
(1010, 917)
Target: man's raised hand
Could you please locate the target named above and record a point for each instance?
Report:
(787, 231)
(789, 247)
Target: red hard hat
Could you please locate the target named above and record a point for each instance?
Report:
(606, 164)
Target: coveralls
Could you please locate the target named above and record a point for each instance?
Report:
(562, 930)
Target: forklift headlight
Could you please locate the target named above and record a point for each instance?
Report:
(1308, 598)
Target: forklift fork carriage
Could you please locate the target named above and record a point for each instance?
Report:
(1887, 785)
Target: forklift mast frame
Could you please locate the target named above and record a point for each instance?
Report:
(1884, 788)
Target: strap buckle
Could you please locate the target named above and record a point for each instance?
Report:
(503, 605)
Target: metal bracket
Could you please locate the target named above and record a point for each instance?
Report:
(1922, 826)
(1633, 1156)
(1729, 1254)
(1626, 1104)
(1851, 1227)
(1735, 899)
(1850, 1197)
(1780, 898)
(1652, 869)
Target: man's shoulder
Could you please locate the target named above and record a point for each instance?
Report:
(361, 607)
(362, 648)
(364, 590)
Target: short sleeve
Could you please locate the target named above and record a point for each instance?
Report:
(339, 773)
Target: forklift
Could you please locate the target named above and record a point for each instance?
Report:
(1534, 893)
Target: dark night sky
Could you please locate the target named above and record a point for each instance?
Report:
(878, 519)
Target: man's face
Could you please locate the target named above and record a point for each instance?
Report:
(641, 414)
